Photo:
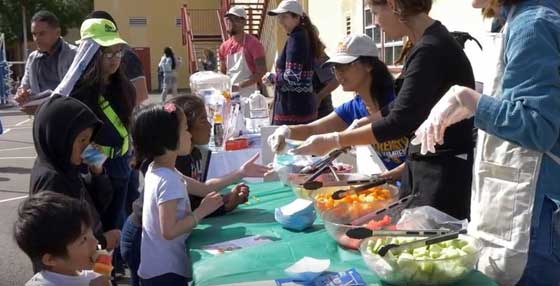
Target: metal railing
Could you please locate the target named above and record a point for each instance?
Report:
(204, 22)
(220, 12)
(187, 35)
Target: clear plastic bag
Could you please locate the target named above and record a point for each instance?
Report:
(427, 217)
(285, 164)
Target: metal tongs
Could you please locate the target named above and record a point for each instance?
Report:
(340, 194)
(321, 165)
(362, 233)
(420, 243)
(402, 202)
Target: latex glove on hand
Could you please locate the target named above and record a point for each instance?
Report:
(277, 140)
(459, 103)
(319, 144)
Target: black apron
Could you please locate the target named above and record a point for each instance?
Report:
(442, 179)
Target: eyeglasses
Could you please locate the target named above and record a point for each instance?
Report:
(340, 68)
(118, 54)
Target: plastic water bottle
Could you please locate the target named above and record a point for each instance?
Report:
(218, 131)
(258, 111)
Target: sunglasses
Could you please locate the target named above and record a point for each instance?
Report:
(342, 67)
(117, 54)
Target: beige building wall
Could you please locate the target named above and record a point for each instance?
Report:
(160, 31)
(330, 17)
(457, 15)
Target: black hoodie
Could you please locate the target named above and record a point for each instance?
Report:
(57, 124)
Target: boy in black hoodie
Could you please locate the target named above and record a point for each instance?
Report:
(62, 129)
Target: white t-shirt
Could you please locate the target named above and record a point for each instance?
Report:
(159, 256)
(47, 278)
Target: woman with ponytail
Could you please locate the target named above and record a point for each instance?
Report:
(294, 100)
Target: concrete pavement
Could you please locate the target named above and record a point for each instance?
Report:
(17, 155)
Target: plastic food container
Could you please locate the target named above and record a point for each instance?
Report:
(354, 205)
(338, 220)
(423, 266)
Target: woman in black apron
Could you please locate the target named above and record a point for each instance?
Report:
(433, 64)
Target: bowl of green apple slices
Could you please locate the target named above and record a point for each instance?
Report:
(437, 264)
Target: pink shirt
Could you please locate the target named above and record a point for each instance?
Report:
(253, 50)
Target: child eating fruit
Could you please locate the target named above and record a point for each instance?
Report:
(55, 231)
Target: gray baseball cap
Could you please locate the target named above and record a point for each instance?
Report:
(237, 11)
(351, 48)
(287, 6)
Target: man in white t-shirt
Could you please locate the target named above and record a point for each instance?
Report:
(54, 230)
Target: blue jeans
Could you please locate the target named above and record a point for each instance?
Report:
(132, 192)
(168, 279)
(119, 171)
(543, 265)
(131, 238)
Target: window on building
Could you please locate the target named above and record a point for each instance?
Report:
(138, 21)
(348, 25)
(389, 48)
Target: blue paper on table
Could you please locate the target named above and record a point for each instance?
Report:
(349, 277)
(298, 215)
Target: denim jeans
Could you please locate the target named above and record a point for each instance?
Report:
(543, 264)
(132, 193)
(131, 238)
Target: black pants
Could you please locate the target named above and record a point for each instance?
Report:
(442, 181)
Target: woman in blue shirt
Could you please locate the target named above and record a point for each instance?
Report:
(515, 207)
(358, 69)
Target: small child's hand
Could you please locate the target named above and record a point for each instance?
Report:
(238, 195)
(100, 281)
(251, 169)
(210, 203)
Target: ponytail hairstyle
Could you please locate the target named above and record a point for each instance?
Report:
(155, 129)
(382, 88)
(317, 47)
(169, 54)
(406, 49)
(406, 8)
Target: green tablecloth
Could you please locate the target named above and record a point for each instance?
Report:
(268, 261)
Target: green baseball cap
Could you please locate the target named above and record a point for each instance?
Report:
(102, 31)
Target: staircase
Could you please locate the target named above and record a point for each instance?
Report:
(205, 28)
(201, 29)
(256, 13)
